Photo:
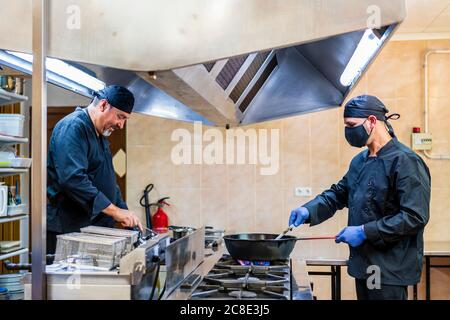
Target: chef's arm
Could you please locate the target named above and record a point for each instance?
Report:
(125, 217)
(413, 189)
(71, 165)
(325, 205)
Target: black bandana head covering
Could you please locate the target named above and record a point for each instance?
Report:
(365, 105)
(117, 96)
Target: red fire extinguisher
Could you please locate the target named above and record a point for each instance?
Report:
(160, 221)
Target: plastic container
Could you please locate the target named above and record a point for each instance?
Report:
(17, 295)
(9, 246)
(21, 163)
(12, 282)
(16, 210)
(4, 294)
(10, 278)
(12, 124)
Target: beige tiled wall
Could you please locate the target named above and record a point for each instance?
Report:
(313, 152)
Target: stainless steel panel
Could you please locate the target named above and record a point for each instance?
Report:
(171, 80)
(295, 86)
(160, 35)
(182, 257)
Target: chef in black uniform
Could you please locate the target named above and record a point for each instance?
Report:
(81, 183)
(387, 193)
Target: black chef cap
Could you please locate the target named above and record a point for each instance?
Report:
(117, 96)
(365, 105)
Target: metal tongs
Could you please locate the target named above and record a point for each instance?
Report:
(285, 231)
(142, 238)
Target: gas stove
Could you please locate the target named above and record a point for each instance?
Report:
(231, 279)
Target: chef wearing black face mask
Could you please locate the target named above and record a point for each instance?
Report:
(387, 193)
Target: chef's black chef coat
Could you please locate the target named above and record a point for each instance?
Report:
(80, 176)
(390, 195)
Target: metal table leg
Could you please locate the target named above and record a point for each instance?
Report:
(335, 274)
(427, 278)
(333, 283)
(338, 282)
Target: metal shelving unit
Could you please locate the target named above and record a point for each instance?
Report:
(12, 140)
(7, 97)
(13, 218)
(13, 254)
(6, 172)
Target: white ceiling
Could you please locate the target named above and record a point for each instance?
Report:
(426, 19)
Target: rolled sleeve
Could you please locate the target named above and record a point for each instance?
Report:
(101, 202)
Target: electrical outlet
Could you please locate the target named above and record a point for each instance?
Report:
(302, 191)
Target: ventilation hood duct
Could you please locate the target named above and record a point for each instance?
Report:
(223, 61)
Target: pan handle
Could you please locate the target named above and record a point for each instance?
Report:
(318, 238)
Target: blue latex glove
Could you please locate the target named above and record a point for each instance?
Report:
(353, 235)
(298, 216)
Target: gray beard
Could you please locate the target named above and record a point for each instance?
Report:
(107, 132)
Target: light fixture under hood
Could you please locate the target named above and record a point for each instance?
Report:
(59, 72)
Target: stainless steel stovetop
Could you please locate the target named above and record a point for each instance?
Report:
(220, 277)
(230, 279)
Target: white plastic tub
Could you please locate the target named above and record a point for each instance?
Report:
(21, 163)
(12, 124)
(15, 210)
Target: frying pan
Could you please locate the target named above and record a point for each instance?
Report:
(262, 246)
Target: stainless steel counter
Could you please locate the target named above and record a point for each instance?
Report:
(325, 253)
(84, 285)
(433, 249)
(437, 248)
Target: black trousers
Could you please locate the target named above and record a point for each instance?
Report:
(51, 242)
(386, 292)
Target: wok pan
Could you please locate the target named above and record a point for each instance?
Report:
(262, 246)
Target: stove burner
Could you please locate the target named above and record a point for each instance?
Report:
(248, 280)
(242, 294)
(229, 278)
(253, 263)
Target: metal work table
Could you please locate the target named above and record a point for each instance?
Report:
(328, 254)
(335, 256)
(433, 249)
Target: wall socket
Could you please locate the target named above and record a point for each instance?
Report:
(302, 191)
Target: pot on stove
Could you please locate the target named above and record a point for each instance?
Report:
(179, 232)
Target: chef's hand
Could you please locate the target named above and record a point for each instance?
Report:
(353, 235)
(298, 216)
(126, 218)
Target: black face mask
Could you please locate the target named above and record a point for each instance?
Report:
(357, 136)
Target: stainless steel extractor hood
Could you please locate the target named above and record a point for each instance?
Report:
(218, 61)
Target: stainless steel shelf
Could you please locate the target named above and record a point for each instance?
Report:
(7, 97)
(12, 140)
(14, 218)
(13, 254)
(5, 172)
